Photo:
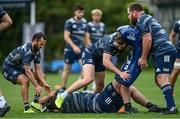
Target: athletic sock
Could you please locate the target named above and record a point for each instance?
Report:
(149, 105)
(64, 94)
(36, 98)
(127, 106)
(26, 106)
(2, 101)
(168, 95)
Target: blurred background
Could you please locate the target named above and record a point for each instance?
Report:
(49, 16)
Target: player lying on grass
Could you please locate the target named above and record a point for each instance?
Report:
(98, 56)
(108, 101)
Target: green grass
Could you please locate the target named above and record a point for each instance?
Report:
(145, 83)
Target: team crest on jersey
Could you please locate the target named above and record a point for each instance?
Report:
(131, 36)
(74, 26)
(93, 29)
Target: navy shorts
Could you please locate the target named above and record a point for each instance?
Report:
(164, 63)
(89, 58)
(178, 54)
(11, 73)
(130, 65)
(70, 56)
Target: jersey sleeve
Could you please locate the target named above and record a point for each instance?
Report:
(2, 12)
(88, 28)
(67, 26)
(176, 27)
(143, 27)
(26, 57)
(108, 44)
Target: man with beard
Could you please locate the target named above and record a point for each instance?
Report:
(155, 41)
(17, 68)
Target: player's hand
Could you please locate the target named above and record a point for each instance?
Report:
(39, 90)
(47, 88)
(125, 75)
(142, 63)
(77, 50)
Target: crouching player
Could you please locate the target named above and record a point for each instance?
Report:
(108, 101)
(17, 69)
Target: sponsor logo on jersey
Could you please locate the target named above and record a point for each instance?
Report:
(158, 70)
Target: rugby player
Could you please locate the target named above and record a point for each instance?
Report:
(155, 41)
(108, 101)
(6, 22)
(95, 31)
(175, 31)
(74, 32)
(18, 70)
(98, 56)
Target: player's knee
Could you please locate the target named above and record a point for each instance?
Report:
(25, 82)
(162, 79)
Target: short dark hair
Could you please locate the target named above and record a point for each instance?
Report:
(135, 6)
(38, 36)
(78, 7)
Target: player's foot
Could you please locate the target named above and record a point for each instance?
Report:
(155, 108)
(59, 101)
(4, 110)
(30, 110)
(38, 107)
(173, 110)
(131, 110)
(35, 106)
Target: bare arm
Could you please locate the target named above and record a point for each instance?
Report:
(6, 22)
(68, 39)
(41, 77)
(108, 64)
(172, 36)
(146, 47)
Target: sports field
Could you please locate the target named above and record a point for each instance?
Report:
(145, 84)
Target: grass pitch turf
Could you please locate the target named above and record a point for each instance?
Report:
(145, 83)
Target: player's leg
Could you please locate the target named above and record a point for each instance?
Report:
(89, 72)
(65, 75)
(163, 67)
(69, 59)
(4, 107)
(139, 98)
(175, 73)
(24, 82)
(99, 81)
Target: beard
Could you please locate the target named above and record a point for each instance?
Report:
(133, 22)
(36, 49)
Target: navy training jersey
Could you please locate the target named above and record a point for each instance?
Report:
(96, 31)
(176, 29)
(22, 55)
(130, 34)
(2, 12)
(160, 41)
(107, 101)
(77, 31)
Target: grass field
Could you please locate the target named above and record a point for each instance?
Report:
(145, 84)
